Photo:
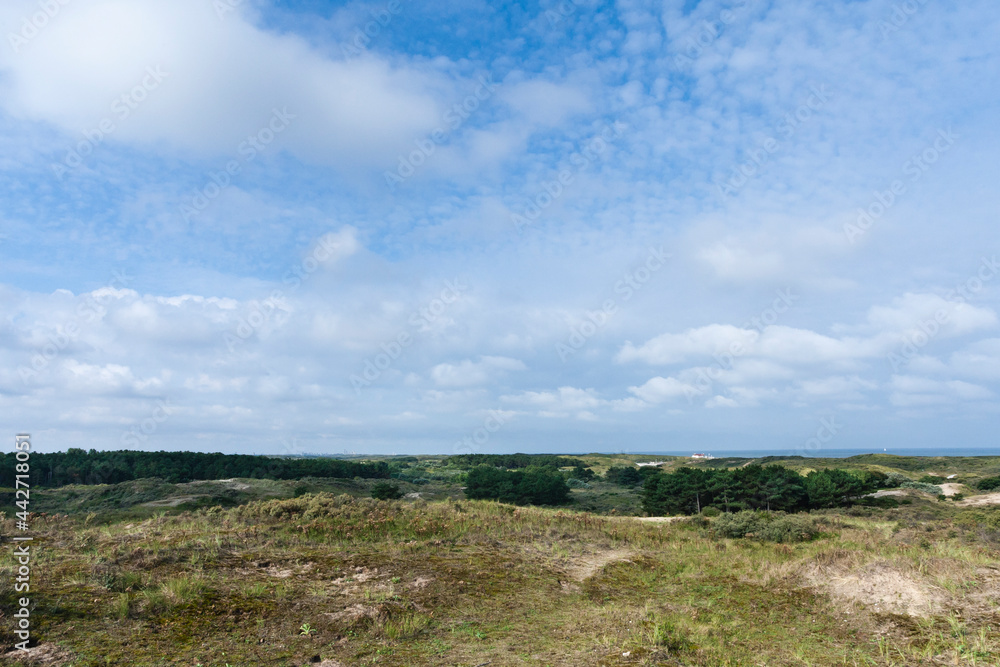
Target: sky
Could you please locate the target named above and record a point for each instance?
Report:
(434, 227)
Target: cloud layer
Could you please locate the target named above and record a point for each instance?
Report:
(632, 226)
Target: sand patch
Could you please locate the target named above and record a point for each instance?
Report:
(44, 654)
(880, 585)
(353, 615)
(233, 484)
(360, 575)
(889, 492)
(949, 489)
(588, 565)
(981, 500)
(172, 501)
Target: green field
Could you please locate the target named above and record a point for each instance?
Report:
(297, 572)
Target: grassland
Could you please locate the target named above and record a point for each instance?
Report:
(257, 572)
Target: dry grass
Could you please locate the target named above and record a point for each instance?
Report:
(463, 583)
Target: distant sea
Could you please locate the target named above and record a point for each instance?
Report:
(837, 453)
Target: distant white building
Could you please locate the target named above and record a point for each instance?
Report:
(702, 456)
(651, 463)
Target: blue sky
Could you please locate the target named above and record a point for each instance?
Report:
(447, 227)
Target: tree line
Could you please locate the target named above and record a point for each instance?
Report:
(77, 466)
(773, 487)
(534, 485)
(514, 461)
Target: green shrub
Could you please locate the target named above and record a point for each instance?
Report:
(894, 480)
(921, 486)
(668, 635)
(711, 512)
(988, 484)
(386, 491)
(932, 479)
(766, 526)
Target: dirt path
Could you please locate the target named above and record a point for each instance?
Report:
(172, 501)
(980, 501)
(587, 566)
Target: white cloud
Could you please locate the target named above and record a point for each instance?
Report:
(721, 402)
(660, 389)
(468, 373)
(912, 391)
(736, 263)
(565, 402)
(354, 112)
(545, 102)
(981, 359)
(699, 342)
(943, 316)
(840, 387)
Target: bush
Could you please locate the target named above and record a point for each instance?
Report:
(386, 491)
(895, 480)
(921, 486)
(766, 526)
(932, 479)
(988, 484)
(711, 512)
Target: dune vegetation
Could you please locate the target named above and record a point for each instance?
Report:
(297, 572)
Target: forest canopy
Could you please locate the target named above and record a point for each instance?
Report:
(77, 466)
(773, 487)
(535, 486)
